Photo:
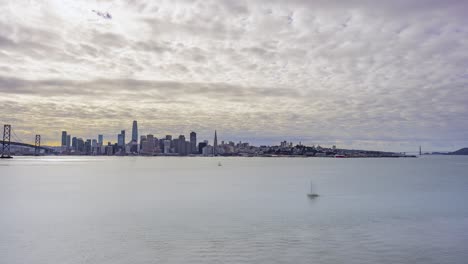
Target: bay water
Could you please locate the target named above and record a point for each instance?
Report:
(248, 210)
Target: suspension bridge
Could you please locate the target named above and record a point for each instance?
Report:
(6, 143)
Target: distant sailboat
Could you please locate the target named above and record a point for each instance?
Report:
(219, 163)
(312, 195)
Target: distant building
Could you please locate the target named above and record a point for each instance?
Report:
(160, 143)
(148, 145)
(109, 149)
(175, 145)
(74, 143)
(94, 147)
(64, 138)
(100, 140)
(215, 145)
(188, 148)
(80, 145)
(87, 146)
(142, 139)
(182, 147)
(121, 139)
(167, 146)
(201, 145)
(134, 142)
(284, 144)
(193, 142)
(135, 131)
(207, 151)
(68, 143)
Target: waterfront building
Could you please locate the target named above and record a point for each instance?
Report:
(193, 142)
(182, 149)
(156, 146)
(207, 151)
(201, 145)
(74, 143)
(94, 147)
(64, 138)
(167, 146)
(68, 143)
(87, 146)
(121, 139)
(100, 140)
(160, 143)
(215, 145)
(109, 149)
(135, 131)
(188, 148)
(175, 145)
(142, 138)
(148, 145)
(80, 145)
(283, 144)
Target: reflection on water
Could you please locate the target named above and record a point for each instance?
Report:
(249, 210)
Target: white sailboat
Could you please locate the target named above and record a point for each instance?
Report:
(312, 195)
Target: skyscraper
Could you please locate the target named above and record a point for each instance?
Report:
(121, 139)
(87, 146)
(100, 140)
(193, 142)
(80, 145)
(182, 146)
(148, 145)
(175, 145)
(215, 145)
(64, 138)
(167, 146)
(135, 131)
(74, 143)
(142, 140)
(201, 145)
(68, 141)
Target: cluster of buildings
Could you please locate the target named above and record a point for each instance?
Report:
(144, 145)
(150, 145)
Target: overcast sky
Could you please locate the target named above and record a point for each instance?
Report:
(384, 75)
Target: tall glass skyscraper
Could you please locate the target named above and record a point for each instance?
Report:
(64, 138)
(100, 140)
(135, 131)
(193, 142)
(121, 139)
(215, 145)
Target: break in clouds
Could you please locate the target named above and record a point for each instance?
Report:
(387, 75)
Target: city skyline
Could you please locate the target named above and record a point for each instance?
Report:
(364, 75)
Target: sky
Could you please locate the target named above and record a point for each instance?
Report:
(381, 75)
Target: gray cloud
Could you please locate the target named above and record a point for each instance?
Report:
(358, 73)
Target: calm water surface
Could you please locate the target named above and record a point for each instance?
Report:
(249, 210)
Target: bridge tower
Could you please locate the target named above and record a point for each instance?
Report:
(37, 145)
(6, 142)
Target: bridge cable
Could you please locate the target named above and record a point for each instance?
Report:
(16, 137)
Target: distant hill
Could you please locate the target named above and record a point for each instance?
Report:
(463, 151)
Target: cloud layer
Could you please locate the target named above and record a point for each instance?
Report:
(355, 73)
